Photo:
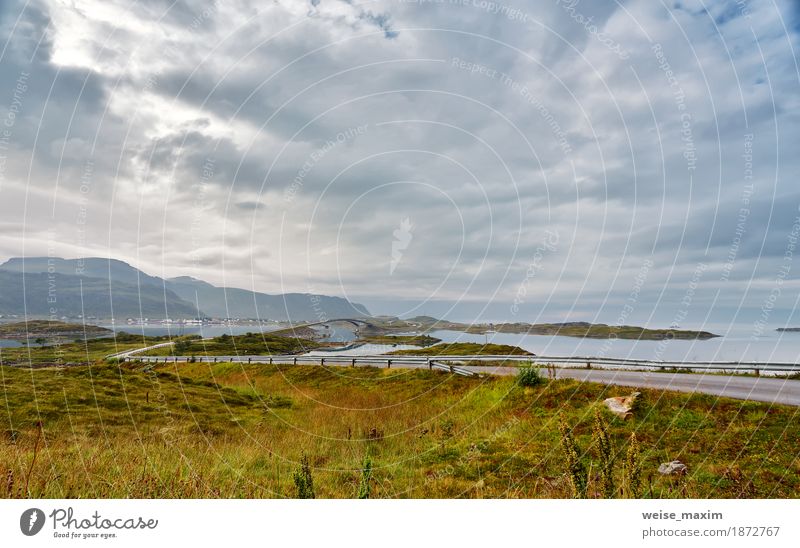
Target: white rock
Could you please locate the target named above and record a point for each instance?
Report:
(672, 468)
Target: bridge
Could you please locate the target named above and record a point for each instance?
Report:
(354, 321)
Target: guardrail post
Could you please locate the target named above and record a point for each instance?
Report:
(354, 363)
(451, 368)
(270, 360)
(430, 365)
(215, 360)
(588, 365)
(322, 361)
(758, 372)
(295, 360)
(388, 364)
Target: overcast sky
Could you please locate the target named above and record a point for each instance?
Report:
(553, 160)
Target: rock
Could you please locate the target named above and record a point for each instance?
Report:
(674, 468)
(622, 406)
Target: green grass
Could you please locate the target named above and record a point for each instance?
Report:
(49, 329)
(466, 349)
(593, 331)
(238, 345)
(239, 430)
(602, 331)
(417, 340)
(73, 353)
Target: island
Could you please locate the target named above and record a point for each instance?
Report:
(49, 330)
(382, 325)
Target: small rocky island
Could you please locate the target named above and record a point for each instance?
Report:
(50, 330)
(426, 324)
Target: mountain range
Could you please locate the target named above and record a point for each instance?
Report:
(110, 288)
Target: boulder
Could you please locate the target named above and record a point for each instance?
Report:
(674, 468)
(622, 406)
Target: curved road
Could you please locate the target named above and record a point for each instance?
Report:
(763, 389)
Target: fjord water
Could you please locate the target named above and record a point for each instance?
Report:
(738, 345)
(178, 330)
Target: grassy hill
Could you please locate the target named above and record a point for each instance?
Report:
(235, 430)
(565, 329)
(238, 345)
(80, 352)
(49, 329)
(466, 349)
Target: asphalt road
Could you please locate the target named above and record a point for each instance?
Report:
(763, 389)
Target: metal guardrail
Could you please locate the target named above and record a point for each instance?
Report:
(450, 363)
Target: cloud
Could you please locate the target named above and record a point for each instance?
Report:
(279, 145)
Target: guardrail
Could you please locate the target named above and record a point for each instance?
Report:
(353, 361)
(450, 363)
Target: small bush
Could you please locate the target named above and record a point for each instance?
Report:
(303, 481)
(529, 376)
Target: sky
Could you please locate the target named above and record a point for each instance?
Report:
(566, 160)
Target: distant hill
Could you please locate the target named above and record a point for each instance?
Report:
(135, 294)
(40, 294)
(225, 302)
(50, 330)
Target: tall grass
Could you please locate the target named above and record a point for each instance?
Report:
(577, 475)
(236, 430)
(605, 454)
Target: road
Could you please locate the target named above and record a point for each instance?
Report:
(762, 389)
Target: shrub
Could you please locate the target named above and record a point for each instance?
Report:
(182, 347)
(529, 376)
(303, 481)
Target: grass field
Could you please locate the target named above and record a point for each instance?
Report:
(49, 329)
(465, 349)
(237, 345)
(76, 352)
(417, 340)
(238, 430)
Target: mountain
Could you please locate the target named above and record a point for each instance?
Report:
(225, 302)
(90, 267)
(136, 294)
(56, 295)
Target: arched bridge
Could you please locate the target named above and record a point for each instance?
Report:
(353, 321)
